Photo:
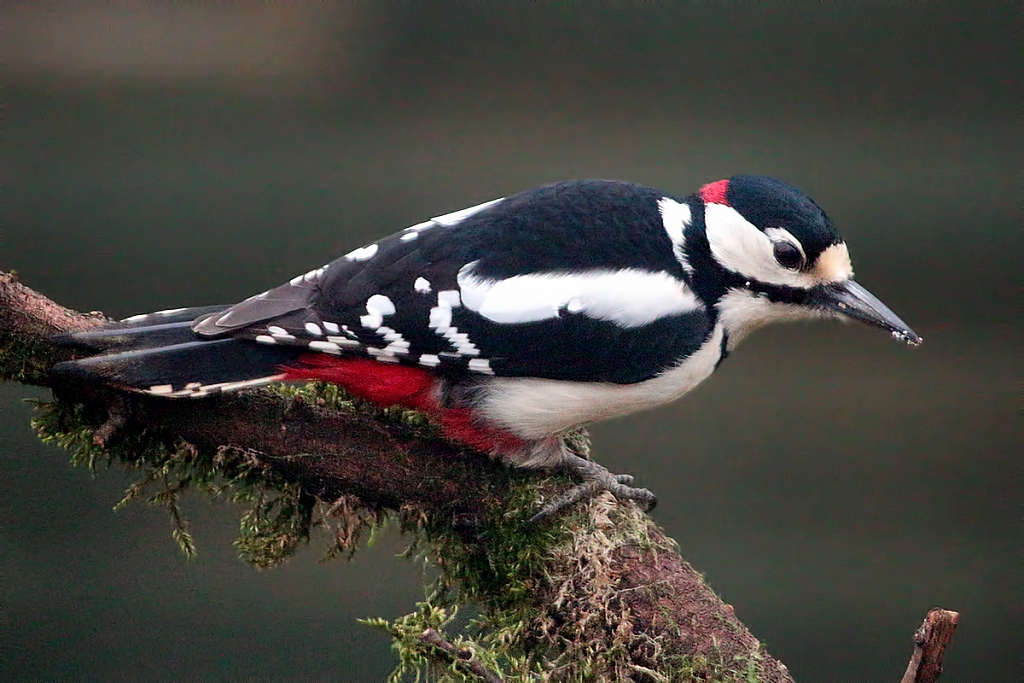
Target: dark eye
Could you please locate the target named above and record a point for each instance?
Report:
(788, 254)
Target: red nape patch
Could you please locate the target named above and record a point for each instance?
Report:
(386, 384)
(714, 193)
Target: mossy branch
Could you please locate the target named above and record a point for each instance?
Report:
(601, 594)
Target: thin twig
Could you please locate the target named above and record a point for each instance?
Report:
(464, 656)
(930, 642)
(117, 418)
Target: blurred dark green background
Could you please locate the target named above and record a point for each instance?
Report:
(832, 485)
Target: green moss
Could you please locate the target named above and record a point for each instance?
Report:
(549, 607)
(547, 597)
(333, 397)
(279, 516)
(23, 361)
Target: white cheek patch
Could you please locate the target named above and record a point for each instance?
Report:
(676, 218)
(630, 298)
(740, 247)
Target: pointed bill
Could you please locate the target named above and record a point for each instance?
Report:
(850, 299)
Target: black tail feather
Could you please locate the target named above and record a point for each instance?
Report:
(113, 339)
(149, 331)
(173, 315)
(191, 368)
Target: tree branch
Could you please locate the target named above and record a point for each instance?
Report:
(930, 642)
(601, 589)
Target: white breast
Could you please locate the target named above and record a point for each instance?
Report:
(538, 408)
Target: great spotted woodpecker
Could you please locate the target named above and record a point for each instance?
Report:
(512, 322)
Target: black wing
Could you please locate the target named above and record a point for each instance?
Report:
(410, 297)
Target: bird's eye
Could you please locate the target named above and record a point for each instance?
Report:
(788, 254)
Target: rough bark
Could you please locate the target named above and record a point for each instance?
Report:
(930, 642)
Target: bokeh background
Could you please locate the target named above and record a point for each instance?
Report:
(831, 484)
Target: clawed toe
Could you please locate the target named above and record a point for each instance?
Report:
(595, 479)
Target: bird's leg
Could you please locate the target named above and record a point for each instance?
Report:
(595, 479)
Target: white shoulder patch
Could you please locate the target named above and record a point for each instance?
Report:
(629, 297)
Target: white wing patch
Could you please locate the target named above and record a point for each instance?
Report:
(377, 306)
(629, 297)
(449, 298)
(447, 220)
(481, 365)
(280, 333)
(413, 231)
(381, 303)
(460, 340)
(441, 322)
(363, 253)
(325, 347)
(397, 344)
(450, 219)
(312, 276)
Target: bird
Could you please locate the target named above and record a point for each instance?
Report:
(512, 323)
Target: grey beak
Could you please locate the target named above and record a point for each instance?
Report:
(850, 299)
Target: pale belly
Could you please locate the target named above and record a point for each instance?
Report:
(535, 409)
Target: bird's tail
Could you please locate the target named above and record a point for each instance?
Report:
(159, 354)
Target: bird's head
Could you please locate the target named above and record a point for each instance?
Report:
(770, 253)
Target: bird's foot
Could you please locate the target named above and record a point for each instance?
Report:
(595, 480)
